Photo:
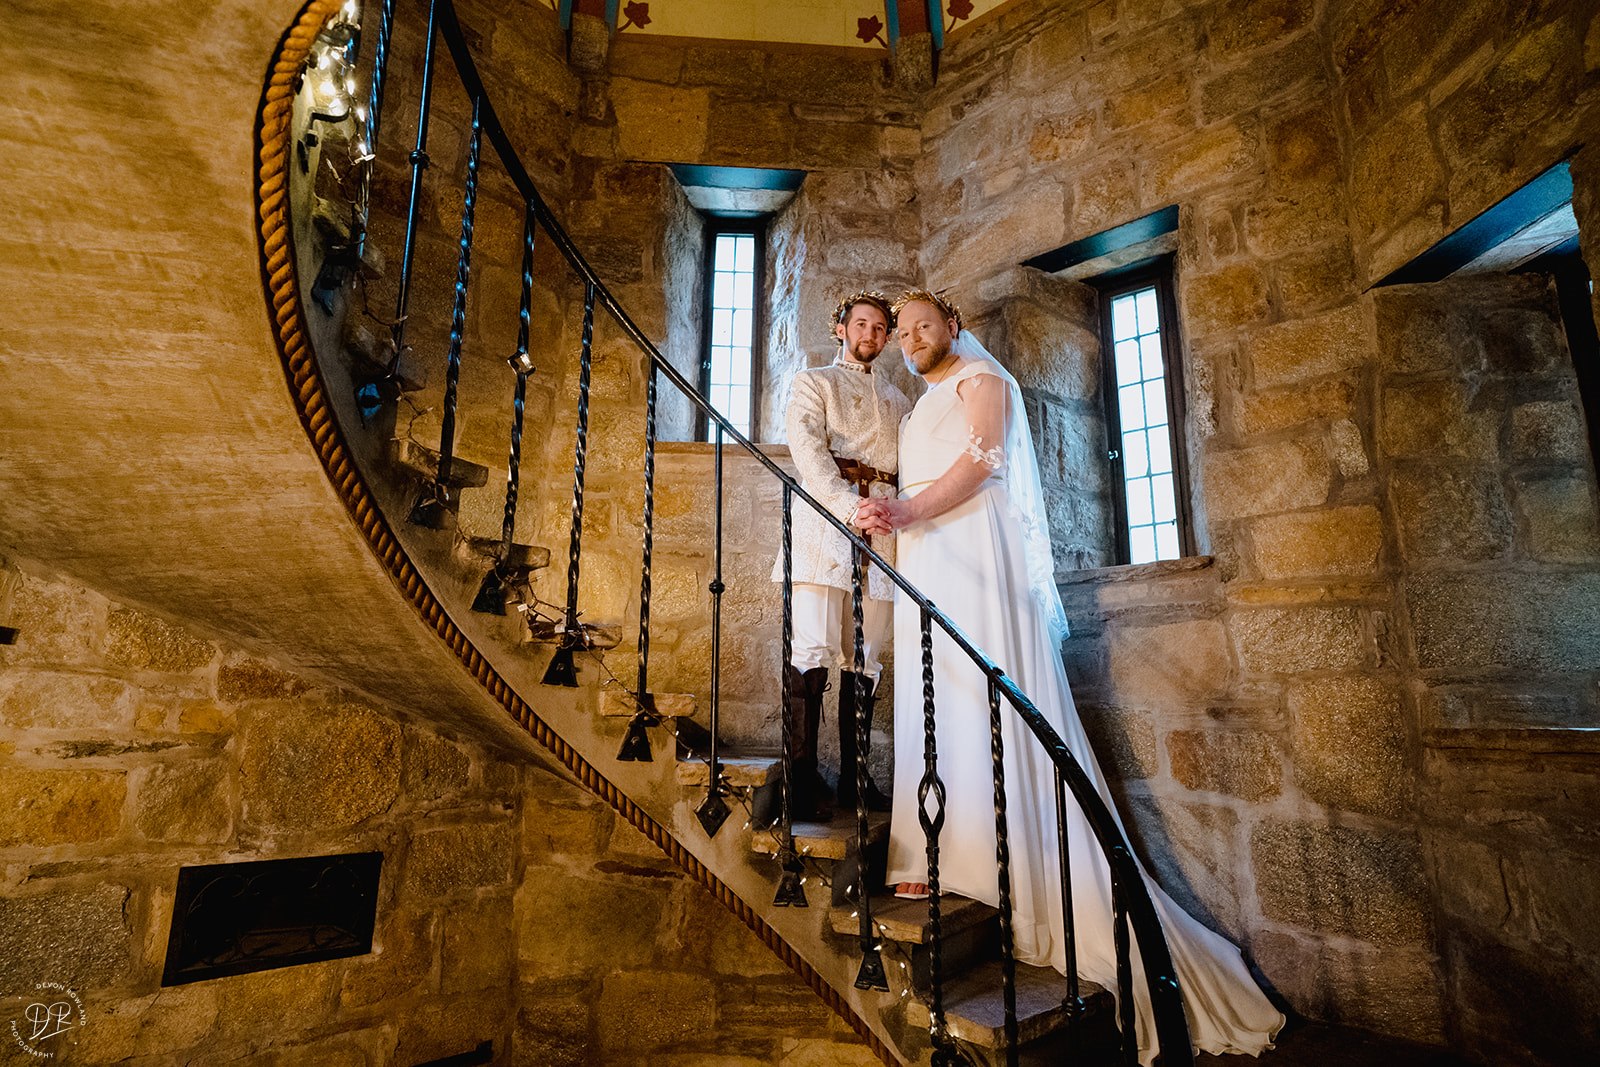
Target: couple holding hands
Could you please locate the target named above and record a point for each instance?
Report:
(948, 490)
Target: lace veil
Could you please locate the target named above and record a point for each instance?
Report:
(1024, 492)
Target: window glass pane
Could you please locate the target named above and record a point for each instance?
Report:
(1127, 362)
(1131, 407)
(725, 256)
(1150, 356)
(722, 289)
(1123, 323)
(745, 254)
(744, 290)
(1155, 402)
(738, 409)
(743, 324)
(719, 398)
(1166, 506)
(1167, 541)
(1160, 449)
(739, 366)
(1149, 321)
(1135, 461)
(1141, 545)
(721, 372)
(722, 327)
(1139, 501)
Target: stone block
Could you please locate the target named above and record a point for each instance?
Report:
(1104, 198)
(434, 768)
(1450, 514)
(572, 924)
(1217, 154)
(1317, 279)
(1364, 884)
(243, 678)
(160, 1024)
(1394, 173)
(1313, 544)
(1292, 352)
(1263, 479)
(55, 623)
(1420, 331)
(1559, 518)
(757, 133)
(78, 936)
(1506, 621)
(191, 802)
(1192, 850)
(1168, 98)
(1437, 419)
(1548, 430)
(479, 946)
(39, 808)
(1288, 640)
(138, 640)
(1349, 740)
(1027, 221)
(1303, 149)
(201, 717)
(1278, 409)
(1266, 76)
(1244, 764)
(1278, 225)
(1240, 27)
(318, 766)
(819, 78)
(56, 700)
(660, 124)
(840, 1051)
(552, 1027)
(640, 1011)
(1124, 742)
(456, 1026)
(401, 962)
(1059, 137)
(1398, 991)
(458, 859)
(1224, 299)
(1175, 664)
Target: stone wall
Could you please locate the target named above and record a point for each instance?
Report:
(513, 906)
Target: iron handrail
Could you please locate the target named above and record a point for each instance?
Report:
(1166, 1003)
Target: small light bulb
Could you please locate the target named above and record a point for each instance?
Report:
(361, 112)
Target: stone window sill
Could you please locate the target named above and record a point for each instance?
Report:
(729, 449)
(1135, 572)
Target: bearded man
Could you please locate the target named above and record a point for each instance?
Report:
(843, 423)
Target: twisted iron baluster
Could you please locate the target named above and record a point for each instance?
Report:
(419, 163)
(492, 593)
(944, 1054)
(871, 974)
(1073, 1003)
(1002, 845)
(790, 893)
(380, 63)
(1119, 922)
(433, 506)
(636, 745)
(713, 812)
(562, 671)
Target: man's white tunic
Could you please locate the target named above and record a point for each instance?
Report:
(842, 410)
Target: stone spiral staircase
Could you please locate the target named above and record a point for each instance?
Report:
(946, 997)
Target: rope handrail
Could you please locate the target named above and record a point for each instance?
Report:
(1129, 886)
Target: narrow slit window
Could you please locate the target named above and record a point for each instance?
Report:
(1144, 418)
(727, 372)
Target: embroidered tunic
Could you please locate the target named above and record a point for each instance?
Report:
(841, 410)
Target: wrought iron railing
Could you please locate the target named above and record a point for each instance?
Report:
(1132, 907)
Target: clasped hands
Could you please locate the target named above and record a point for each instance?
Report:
(882, 515)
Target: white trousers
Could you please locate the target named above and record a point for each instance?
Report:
(824, 632)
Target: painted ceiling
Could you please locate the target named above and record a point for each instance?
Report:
(846, 23)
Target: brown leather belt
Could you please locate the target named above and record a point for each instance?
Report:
(862, 476)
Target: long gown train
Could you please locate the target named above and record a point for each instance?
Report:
(971, 562)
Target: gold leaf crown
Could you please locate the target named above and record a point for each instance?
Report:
(863, 296)
(938, 300)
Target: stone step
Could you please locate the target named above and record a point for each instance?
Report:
(619, 703)
(906, 921)
(974, 1007)
(739, 771)
(521, 558)
(424, 463)
(825, 841)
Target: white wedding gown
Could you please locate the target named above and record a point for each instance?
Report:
(971, 563)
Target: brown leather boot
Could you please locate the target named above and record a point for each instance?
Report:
(876, 801)
(812, 800)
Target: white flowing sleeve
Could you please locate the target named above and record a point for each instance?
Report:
(807, 425)
(985, 400)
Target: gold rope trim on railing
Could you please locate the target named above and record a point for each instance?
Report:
(311, 401)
